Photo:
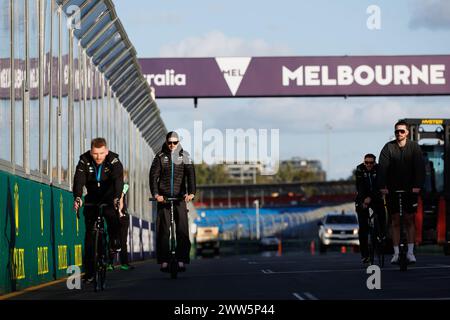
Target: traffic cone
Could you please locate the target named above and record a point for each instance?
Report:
(419, 221)
(280, 248)
(441, 221)
(343, 249)
(312, 247)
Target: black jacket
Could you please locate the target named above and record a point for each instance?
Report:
(401, 168)
(111, 179)
(164, 165)
(366, 183)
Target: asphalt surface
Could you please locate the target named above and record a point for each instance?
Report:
(267, 276)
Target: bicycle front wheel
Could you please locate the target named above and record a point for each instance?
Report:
(173, 268)
(96, 260)
(380, 254)
(371, 247)
(99, 262)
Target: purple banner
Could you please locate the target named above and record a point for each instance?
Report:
(19, 74)
(297, 76)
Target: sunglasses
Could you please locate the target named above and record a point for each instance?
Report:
(369, 162)
(402, 131)
(172, 142)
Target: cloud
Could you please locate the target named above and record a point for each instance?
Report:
(359, 125)
(430, 14)
(216, 43)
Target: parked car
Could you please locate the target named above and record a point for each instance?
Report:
(269, 243)
(207, 238)
(338, 229)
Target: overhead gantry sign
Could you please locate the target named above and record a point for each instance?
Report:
(297, 76)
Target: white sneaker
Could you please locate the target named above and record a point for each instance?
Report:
(410, 257)
(394, 259)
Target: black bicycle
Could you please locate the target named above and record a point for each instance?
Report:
(100, 248)
(173, 263)
(376, 239)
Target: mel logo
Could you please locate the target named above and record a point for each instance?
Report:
(233, 70)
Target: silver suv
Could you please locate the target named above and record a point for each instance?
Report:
(338, 229)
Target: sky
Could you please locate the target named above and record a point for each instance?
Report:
(250, 28)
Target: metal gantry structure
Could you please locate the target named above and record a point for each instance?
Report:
(69, 73)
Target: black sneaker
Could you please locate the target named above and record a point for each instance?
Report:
(365, 260)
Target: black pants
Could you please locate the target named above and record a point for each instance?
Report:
(363, 220)
(90, 218)
(183, 244)
(124, 224)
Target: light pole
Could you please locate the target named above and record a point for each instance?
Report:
(256, 202)
(328, 128)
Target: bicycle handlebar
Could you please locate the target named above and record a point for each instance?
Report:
(99, 205)
(91, 205)
(168, 199)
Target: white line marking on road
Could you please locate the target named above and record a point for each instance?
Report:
(310, 296)
(360, 270)
(436, 278)
(299, 297)
(267, 271)
(354, 270)
(279, 262)
(442, 298)
(439, 265)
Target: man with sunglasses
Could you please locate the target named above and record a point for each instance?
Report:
(368, 196)
(172, 174)
(402, 169)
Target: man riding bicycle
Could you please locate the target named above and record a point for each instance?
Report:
(368, 196)
(402, 169)
(101, 172)
(172, 174)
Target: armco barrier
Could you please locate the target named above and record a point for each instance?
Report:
(136, 239)
(40, 235)
(145, 238)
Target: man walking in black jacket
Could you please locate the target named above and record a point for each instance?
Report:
(402, 169)
(172, 174)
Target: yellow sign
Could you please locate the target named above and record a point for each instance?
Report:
(42, 260)
(78, 255)
(16, 207)
(433, 121)
(61, 213)
(18, 265)
(62, 257)
(41, 202)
